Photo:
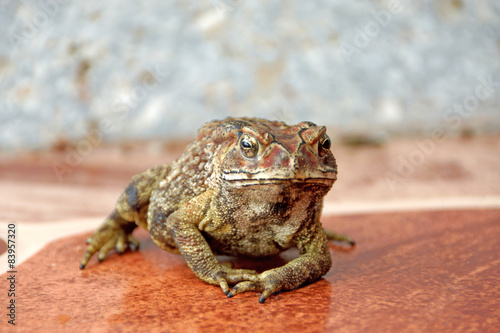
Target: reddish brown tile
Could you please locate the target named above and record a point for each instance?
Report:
(425, 271)
(3, 246)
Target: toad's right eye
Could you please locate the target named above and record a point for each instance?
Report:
(249, 146)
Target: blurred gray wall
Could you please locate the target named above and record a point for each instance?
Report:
(134, 70)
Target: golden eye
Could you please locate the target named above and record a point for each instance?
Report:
(324, 145)
(249, 146)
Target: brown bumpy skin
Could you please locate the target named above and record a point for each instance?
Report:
(245, 186)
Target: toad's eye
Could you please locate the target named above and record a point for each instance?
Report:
(249, 146)
(324, 145)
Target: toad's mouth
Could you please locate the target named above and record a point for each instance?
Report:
(285, 176)
(279, 181)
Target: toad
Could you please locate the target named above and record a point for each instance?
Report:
(244, 187)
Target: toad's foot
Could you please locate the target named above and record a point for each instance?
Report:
(227, 275)
(267, 283)
(339, 238)
(114, 233)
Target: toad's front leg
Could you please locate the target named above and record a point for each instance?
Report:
(314, 262)
(114, 232)
(182, 227)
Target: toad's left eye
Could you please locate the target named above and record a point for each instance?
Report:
(249, 146)
(324, 145)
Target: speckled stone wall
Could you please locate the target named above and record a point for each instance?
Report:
(128, 70)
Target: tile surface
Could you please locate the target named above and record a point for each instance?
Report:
(413, 271)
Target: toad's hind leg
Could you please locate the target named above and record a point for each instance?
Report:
(130, 211)
(332, 236)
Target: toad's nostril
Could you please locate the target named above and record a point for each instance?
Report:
(301, 162)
